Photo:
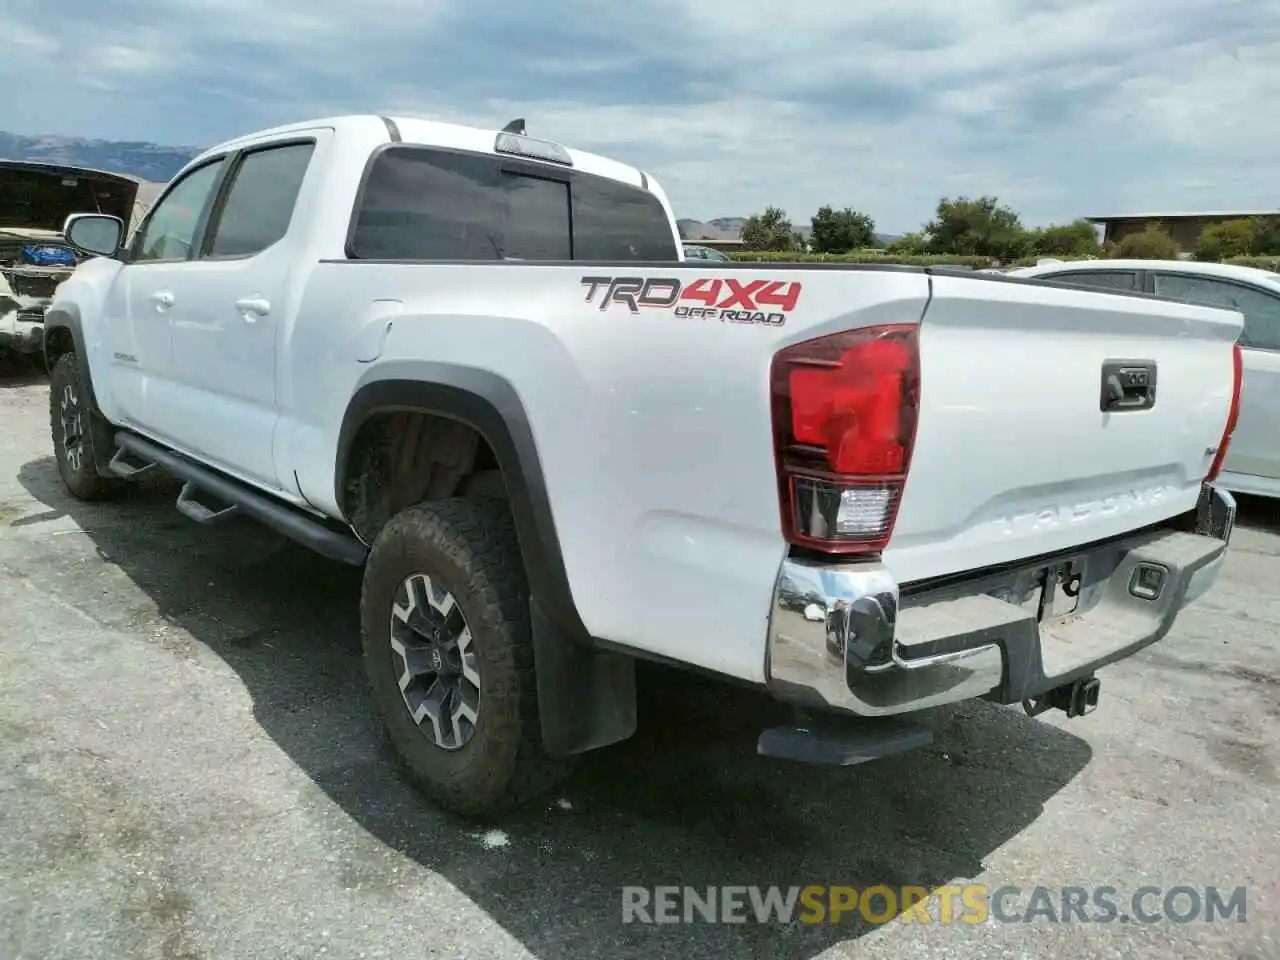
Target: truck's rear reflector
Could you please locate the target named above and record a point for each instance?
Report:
(844, 419)
(1233, 414)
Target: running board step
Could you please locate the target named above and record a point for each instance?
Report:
(842, 741)
(278, 516)
(189, 506)
(123, 465)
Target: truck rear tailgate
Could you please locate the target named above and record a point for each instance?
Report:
(1015, 455)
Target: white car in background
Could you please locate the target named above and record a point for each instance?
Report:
(1252, 464)
(694, 251)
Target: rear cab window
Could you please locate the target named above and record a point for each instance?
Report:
(427, 203)
(536, 225)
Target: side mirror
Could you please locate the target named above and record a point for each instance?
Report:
(95, 233)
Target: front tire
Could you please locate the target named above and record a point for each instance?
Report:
(449, 656)
(69, 413)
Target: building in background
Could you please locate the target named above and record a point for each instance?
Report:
(1185, 228)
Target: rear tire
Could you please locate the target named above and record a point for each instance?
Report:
(69, 413)
(445, 606)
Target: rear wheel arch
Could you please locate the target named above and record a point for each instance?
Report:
(448, 650)
(485, 405)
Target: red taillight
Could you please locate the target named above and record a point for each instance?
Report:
(1232, 415)
(844, 421)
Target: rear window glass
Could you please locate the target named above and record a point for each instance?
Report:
(536, 221)
(425, 204)
(612, 221)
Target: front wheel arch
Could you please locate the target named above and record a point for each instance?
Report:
(75, 446)
(64, 335)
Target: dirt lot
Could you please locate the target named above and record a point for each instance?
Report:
(189, 769)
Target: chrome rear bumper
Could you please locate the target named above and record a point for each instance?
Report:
(842, 636)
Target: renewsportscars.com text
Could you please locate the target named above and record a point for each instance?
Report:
(971, 904)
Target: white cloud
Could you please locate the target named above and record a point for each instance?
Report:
(300, 27)
(24, 41)
(1060, 107)
(130, 58)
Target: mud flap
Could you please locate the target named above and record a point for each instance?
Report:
(586, 695)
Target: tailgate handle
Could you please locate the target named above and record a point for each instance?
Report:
(1128, 385)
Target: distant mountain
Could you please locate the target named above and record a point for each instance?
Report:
(148, 161)
(730, 228)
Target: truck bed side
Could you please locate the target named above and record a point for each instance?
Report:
(653, 427)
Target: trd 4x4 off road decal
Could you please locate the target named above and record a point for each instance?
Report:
(706, 298)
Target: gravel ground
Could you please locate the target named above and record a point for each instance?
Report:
(189, 769)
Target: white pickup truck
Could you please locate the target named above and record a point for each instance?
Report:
(475, 363)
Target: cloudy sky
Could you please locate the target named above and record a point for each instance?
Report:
(1060, 107)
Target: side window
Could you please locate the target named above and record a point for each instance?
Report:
(426, 205)
(170, 230)
(1261, 310)
(536, 226)
(1100, 279)
(259, 205)
(612, 221)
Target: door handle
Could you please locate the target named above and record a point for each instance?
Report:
(163, 300)
(253, 307)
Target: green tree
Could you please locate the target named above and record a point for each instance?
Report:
(839, 231)
(977, 228)
(770, 230)
(909, 244)
(1232, 238)
(1076, 239)
(1149, 244)
(1266, 237)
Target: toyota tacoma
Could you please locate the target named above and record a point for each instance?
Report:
(476, 364)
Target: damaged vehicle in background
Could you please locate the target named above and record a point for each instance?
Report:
(35, 199)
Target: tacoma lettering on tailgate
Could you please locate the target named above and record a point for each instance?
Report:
(706, 298)
(1050, 517)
